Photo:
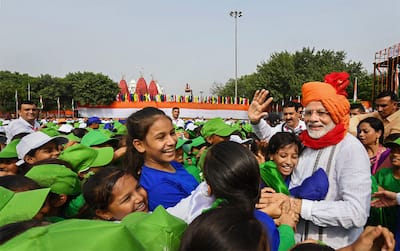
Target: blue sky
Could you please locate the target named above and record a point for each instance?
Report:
(179, 42)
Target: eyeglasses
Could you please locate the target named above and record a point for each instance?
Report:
(320, 113)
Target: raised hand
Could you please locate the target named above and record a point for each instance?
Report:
(259, 105)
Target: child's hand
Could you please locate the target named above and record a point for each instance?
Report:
(384, 199)
(270, 202)
(288, 216)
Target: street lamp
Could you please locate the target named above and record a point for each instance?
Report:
(236, 14)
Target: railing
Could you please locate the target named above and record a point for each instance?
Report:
(181, 99)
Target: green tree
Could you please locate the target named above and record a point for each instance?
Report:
(52, 88)
(284, 73)
(10, 82)
(92, 88)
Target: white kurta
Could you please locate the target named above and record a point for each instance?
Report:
(339, 219)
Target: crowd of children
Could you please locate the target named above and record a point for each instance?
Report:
(151, 183)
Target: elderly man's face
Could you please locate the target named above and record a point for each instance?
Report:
(318, 120)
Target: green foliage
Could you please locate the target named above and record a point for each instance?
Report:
(85, 88)
(9, 83)
(92, 89)
(284, 73)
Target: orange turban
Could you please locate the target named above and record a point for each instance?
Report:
(331, 95)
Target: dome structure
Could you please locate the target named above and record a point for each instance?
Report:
(141, 87)
(123, 86)
(153, 90)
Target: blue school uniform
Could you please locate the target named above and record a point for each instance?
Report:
(165, 188)
(270, 227)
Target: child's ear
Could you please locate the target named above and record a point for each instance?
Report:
(29, 159)
(105, 215)
(209, 139)
(138, 145)
(62, 198)
(209, 191)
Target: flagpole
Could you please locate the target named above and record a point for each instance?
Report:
(16, 103)
(29, 91)
(355, 91)
(73, 108)
(58, 107)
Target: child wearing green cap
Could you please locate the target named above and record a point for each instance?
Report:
(181, 156)
(9, 158)
(21, 199)
(150, 157)
(64, 185)
(214, 131)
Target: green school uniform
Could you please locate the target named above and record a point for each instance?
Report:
(386, 180)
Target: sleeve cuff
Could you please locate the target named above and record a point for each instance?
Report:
(306, 206)
(398, 198)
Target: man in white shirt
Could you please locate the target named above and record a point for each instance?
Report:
(175, 118)
(291, 117)
(26, 123)
(336, 218)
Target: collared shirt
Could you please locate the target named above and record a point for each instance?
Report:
(264, 131)
(391, 123)
(18, 126)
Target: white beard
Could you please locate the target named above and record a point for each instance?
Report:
(319, 134)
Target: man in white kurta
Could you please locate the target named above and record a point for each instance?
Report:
(339, 217)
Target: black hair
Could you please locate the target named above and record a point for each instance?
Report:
(357, 106)
(292, 104)
(392, 95)
(138, 124)
(282, 139)
(97, 189)
(311, 247)
(25, 102)
(391, 137)
(376, 124)
(18, 183)
(233, 173)
(225, 229)
(79, 132)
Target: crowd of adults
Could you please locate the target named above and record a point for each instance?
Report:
(324, 174)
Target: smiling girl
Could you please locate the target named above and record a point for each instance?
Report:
(150, 158)
(113, 193)
(284, 149)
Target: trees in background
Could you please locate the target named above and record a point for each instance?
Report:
(284, 73)
(83, 87)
